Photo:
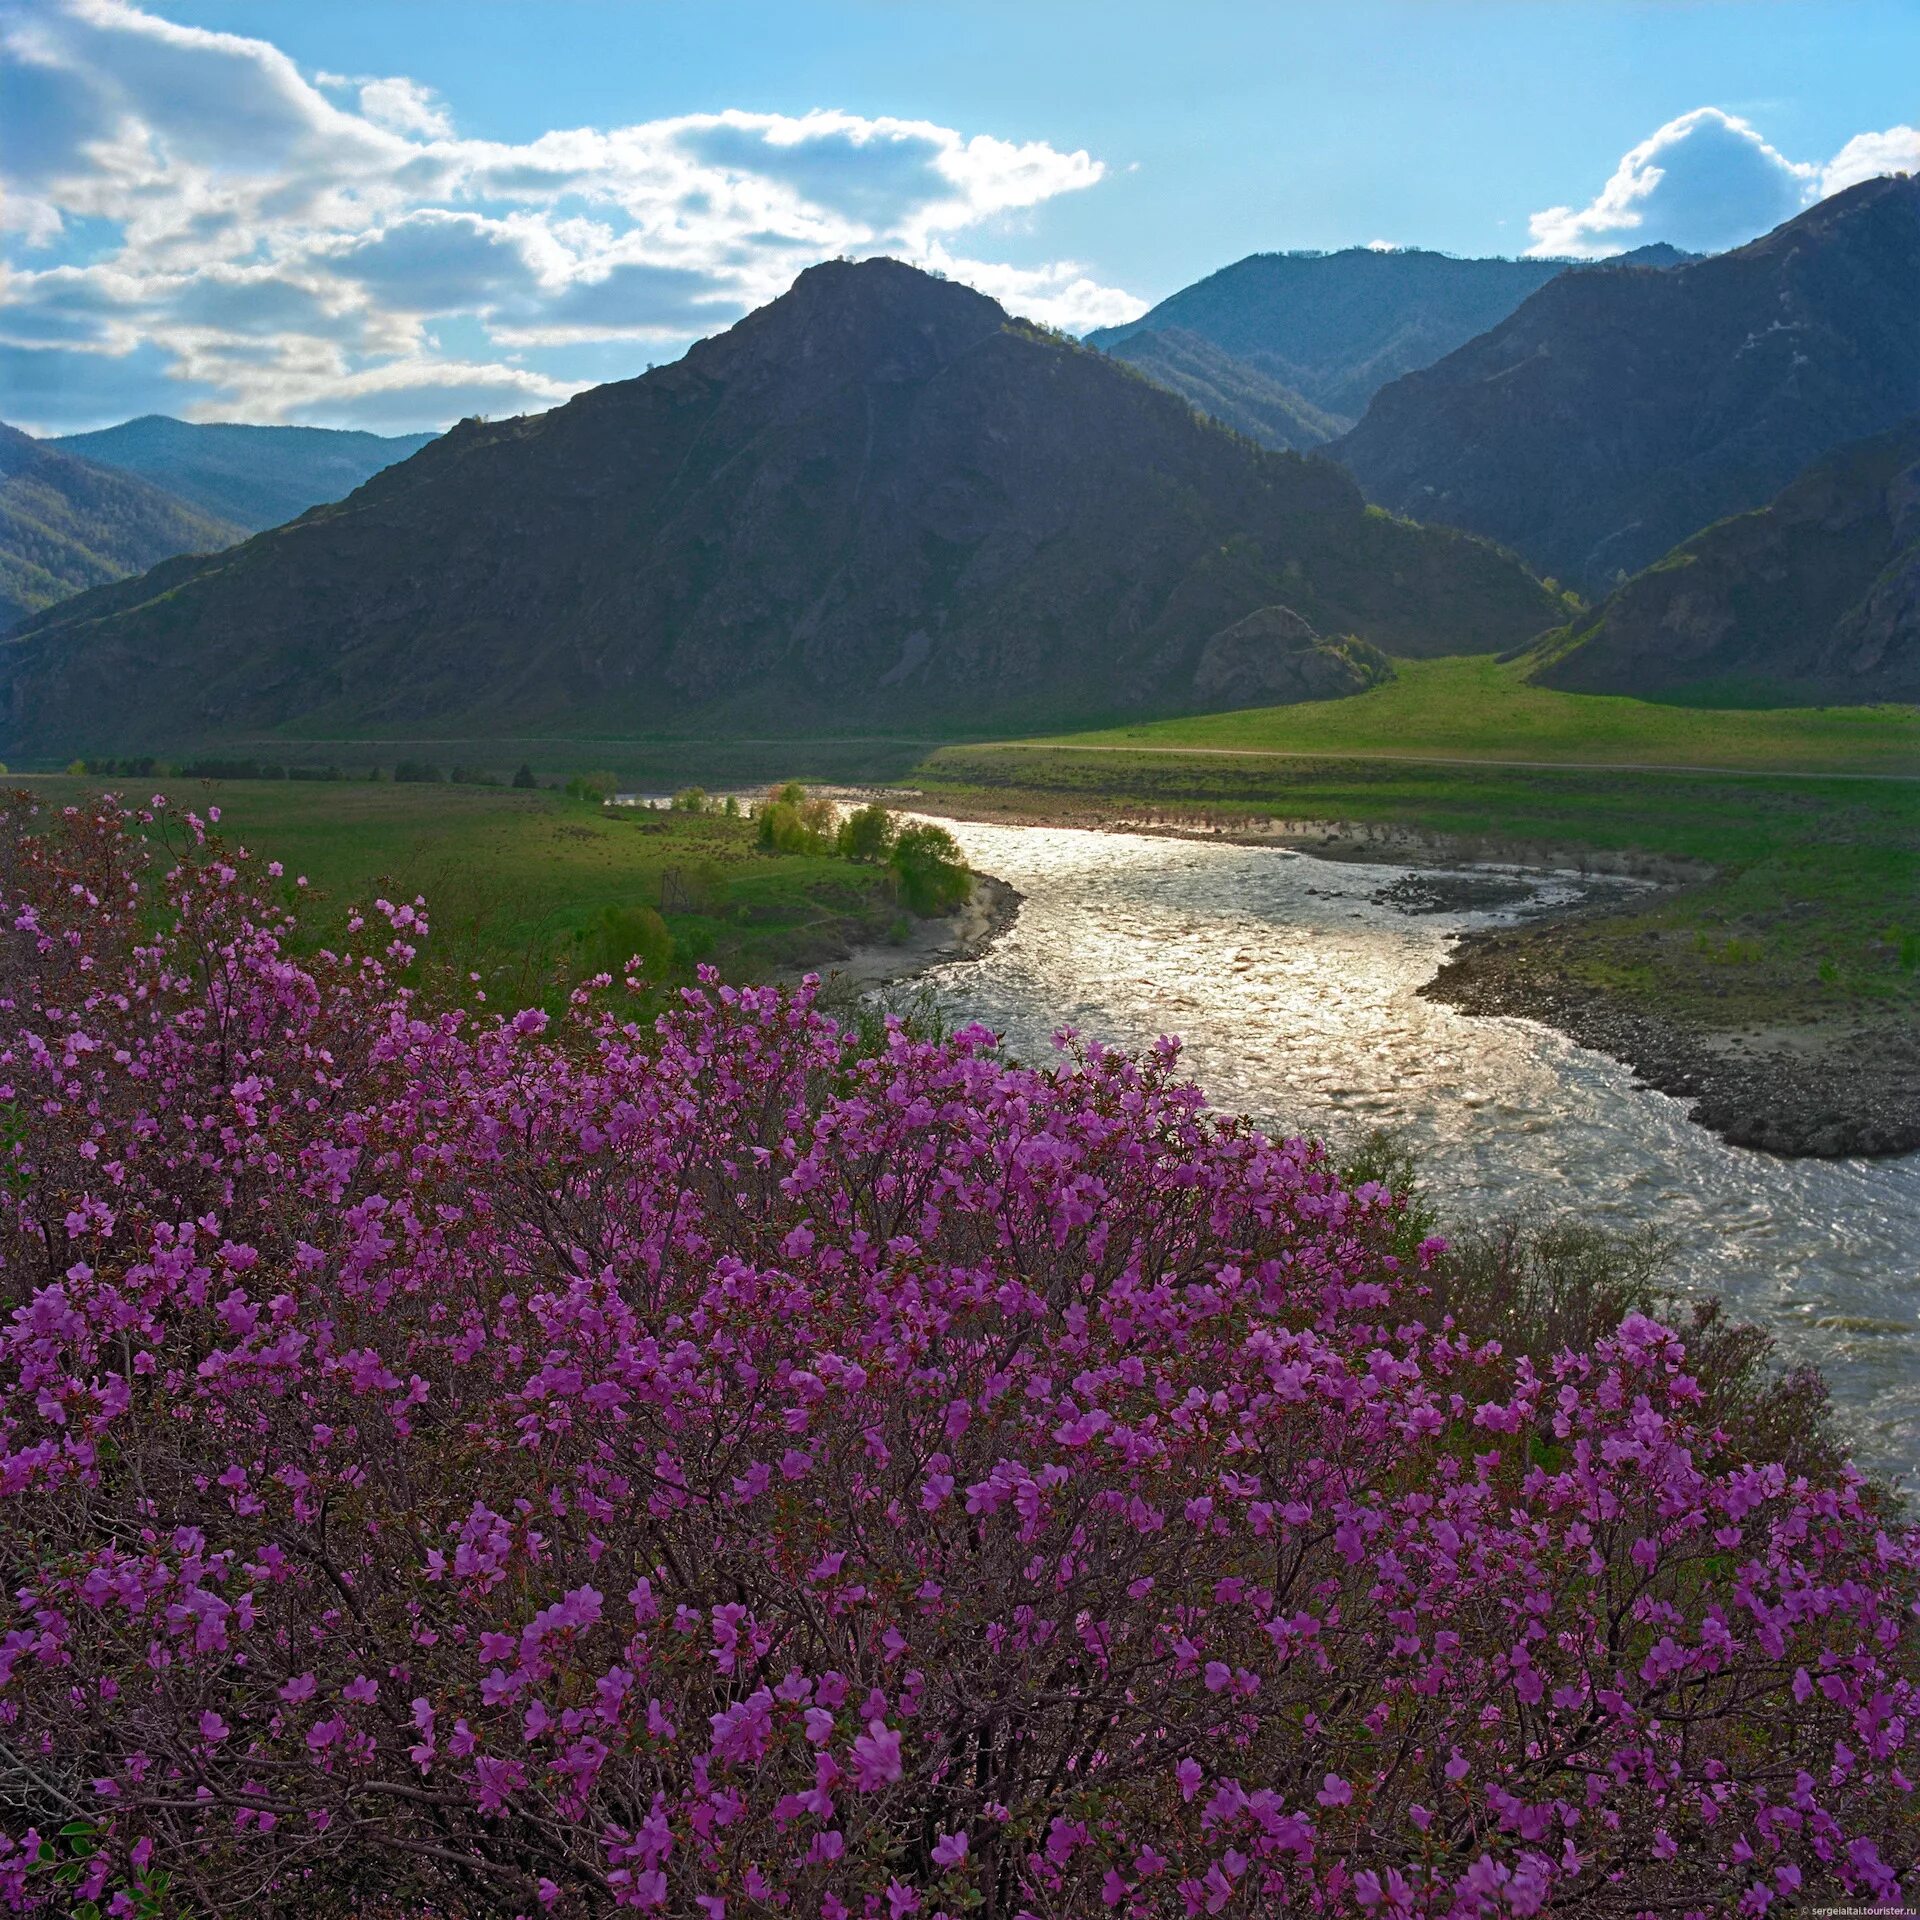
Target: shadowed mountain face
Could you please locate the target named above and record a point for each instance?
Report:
(1336, 327)
(1814, 597)
(253, 477)
(1234, 392)
(66, 525)
(875, 503)
(1616, 414)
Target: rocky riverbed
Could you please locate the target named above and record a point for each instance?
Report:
(1832, 1089)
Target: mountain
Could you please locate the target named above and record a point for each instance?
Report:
(1815, 596)
(877, 501)
(66, 524)
(1615, 414)
(252, 476)
(1231, 391)
(1334, 328)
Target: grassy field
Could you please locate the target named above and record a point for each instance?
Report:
(1481, 709)
(518, 883)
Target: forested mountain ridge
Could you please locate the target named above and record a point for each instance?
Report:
(1616, 414)
(1815, 596)
(1234, 392)
(67, 524)
(253, 477)
(1335, 328)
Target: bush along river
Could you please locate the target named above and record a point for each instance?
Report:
(1295, 984)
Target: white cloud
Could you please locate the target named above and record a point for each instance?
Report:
(1060, 295)
(1708, 181)
(261, 232)
(1705, 182)
(1869, 155)
(406, 107)
(398, 395)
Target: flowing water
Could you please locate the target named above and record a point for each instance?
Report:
(1294, 991)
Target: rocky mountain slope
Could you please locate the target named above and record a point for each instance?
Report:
(1334, 328)
(1234, 392)
(1815, 596)
(1616, 414)
(66, 524)
(876, 502)
(253, 477)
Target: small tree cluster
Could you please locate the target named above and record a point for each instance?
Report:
(866, 834)
(793, 821)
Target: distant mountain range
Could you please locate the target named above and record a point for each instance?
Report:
(67, 524)
(876, 501)
(1332, 329)
(1615, 414)
(1234, 392)
(1814, 596)
(254, 477)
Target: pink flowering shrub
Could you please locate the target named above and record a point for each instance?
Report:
(455, 1465)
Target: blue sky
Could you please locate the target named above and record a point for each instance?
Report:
(388, 213)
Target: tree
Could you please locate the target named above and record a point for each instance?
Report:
(793, 822)
(933, 873)
(866, 834)
(524, 779)
(633, 933)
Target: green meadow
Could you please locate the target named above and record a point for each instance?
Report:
(531, 889)
(1795, 832)
(1481, 708)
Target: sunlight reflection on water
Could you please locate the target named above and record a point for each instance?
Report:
(1295, 996)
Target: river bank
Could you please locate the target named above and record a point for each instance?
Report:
(1755, 1068)
(964, 934)
(1829, 1089)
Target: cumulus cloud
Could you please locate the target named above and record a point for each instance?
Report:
(274, 243)
(405, 107)
(1062, 294)
(1869, 155)
(1708, 181)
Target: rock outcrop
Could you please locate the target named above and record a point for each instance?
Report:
(1274, 658)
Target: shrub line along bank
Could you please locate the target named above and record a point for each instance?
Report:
(464, 1463)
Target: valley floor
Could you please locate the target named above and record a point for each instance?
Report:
(1772, 974)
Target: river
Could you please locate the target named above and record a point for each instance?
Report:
(1295, 994)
